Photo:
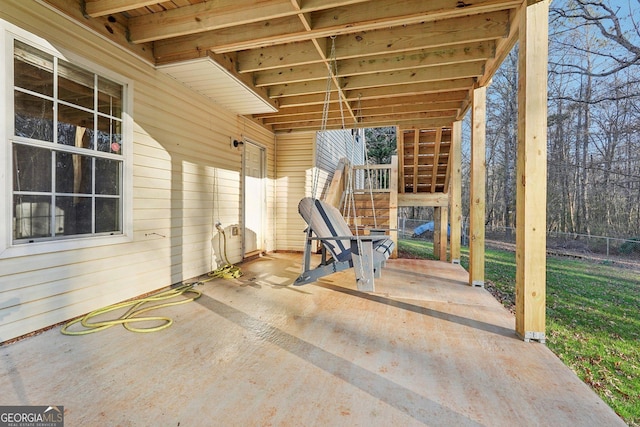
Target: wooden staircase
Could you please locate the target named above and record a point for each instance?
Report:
(419, 176)
(424, 160)
(367, 216)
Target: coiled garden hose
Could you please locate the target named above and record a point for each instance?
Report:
(128, 318)
(228, 271)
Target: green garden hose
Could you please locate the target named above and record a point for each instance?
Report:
(228, 271)
(136, 308)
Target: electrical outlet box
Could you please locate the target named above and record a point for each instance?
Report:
(235, 231)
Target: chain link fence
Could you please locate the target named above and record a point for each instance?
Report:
(557, 242)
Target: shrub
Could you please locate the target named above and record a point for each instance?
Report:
(630, 246)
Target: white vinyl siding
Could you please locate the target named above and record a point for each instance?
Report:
(185, 176)
(332, 146)
(294, 170)
(297, 155)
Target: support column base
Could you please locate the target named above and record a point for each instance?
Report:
(533, 336)
(478, 283)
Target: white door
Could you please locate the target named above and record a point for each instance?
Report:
(254, 199)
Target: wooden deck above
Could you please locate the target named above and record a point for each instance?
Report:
(408, 63)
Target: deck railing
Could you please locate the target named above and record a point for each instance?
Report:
(375, 178)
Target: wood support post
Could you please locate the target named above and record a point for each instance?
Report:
(531, 199)
(478, 176)
(400, 151)
(436, 232)
(416, 155)
(393, 205)
(441, 222)
(455, 191)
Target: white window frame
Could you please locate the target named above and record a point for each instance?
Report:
(9, 249)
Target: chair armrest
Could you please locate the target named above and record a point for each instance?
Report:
(369, 237)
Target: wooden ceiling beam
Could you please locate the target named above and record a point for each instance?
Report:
(451, 109)
(114, 30)
(396, 13)
(412, 116)
(425, 124)
(428, 119)
(266, 32)
(467, 29)
(298, 89)
(311, 117)
(280, 59)
(288, 115)
(434, 99)
(210, 16)
(380, 93)
(424, 57)
(299, 110)
(313, 125)
(359, 83)
(405, 121)
(370, 109)
(360, 66)
(420, 75)
(409, 112)
(303, 100)
(95, 8)
(423, 199)
(330, 63)
(503, 47)
(206, 16)
(411, 89)
(411, 37)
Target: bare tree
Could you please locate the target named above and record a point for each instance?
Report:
(608, 21)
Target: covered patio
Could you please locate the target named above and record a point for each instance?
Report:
(209, 93)
(425, 349)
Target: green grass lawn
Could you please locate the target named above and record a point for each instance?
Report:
(593, 319)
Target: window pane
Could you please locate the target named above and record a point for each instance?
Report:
(33, 117)
(109, 135)
(32, 216)
(75, 127)
(76, 213)
(33, 69)
(31, 168)
(108, 176)
(75, 85)
(109, 97)
(68, 189)
(73, 173)
(116, 137)
(107, 215)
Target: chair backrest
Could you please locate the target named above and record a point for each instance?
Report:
(327, 221)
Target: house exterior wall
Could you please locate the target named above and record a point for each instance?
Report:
(294, 169)
(297, 154)
(185, 176)
(333, 146)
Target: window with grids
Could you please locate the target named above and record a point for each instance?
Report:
(67, 149)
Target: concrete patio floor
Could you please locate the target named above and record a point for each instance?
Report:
(424, 349)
